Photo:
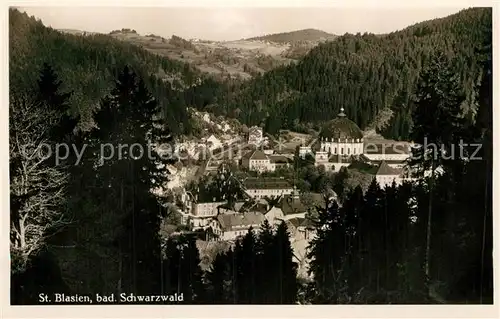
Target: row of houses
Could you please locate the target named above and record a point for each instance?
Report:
(258, 189)
(259, 161)
(227, 223)
(339, 144)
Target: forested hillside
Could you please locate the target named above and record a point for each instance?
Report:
(294, 36)
(89, 224)
(88, 65)
(365, 74)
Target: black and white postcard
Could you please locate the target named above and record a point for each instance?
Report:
(249, 155)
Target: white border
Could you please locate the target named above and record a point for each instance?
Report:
(237, 311)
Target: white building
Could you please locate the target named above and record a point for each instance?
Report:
(213, 142)
(280, 161)
(230, 226)
(341, 136)
(339, 141)
(386, 175)
(301, 228)
(274, 216)
(294, 205)
(200, 214)
(304, 150)
(258, 161)
(393, 153)
(255, 135)
(267, 187)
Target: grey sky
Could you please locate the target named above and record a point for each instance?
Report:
(234, 23)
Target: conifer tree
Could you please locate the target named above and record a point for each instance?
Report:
(327, 252)
(191, 281)
(127, 118)
(171, 264)
(267, 266)
(49, 93)
(247, 286)
(286, 274)
(436, 119)
(218, 280)
(237, 273)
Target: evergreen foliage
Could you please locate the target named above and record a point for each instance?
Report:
(365, 74)
(94, 227)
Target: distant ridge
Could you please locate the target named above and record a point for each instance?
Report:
(76, 32)
(295, 36)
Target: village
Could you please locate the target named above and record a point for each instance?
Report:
(264, 195)
(282, 156)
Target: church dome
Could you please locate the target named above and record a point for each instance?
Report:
(341, 128)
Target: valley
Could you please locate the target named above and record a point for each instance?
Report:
(295, 168)
(227, 60)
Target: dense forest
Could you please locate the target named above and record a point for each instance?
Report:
(296, 36)
(364, 73)
(94, 227)
(369, 75)
(87, 66)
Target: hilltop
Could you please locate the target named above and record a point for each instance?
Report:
(371, 76)
(235, 60)
(312, 35)
(87, 66)
(240, 60)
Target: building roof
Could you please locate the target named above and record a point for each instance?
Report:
(337, 158)
(266, 183)
(341, 127)
(254, 133)
(292, 205)
(279, 159)
(256, 155)
(213, 138)
(255, 129)
(364, 158)
(240, 220)
(254, 206)
(238, 206)
(274, 209)
(385, 169)
(386, 147)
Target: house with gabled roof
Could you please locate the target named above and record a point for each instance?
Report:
(213, 142)
(386, 150)
(255, 135)
(386, 175)
(301, 228)
(257, 188)
(258, 161)
(280, 161)
(294, 205)
(230, 226)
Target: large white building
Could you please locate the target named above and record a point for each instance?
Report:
(258, 161)
(394, 153)
(258, 188)
(230, 226)
(341, 136)
(338, 142)
(199, 214)
(255, 135)
(341, 141)
(386, 175)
